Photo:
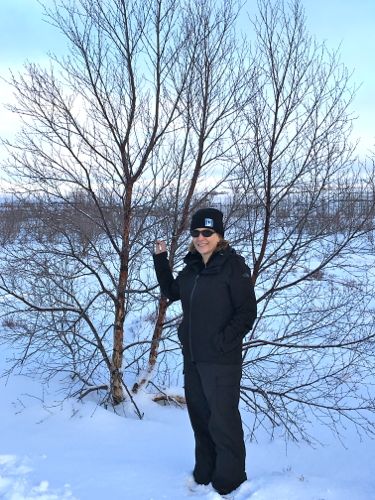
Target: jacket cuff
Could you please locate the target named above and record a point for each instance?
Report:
(159, 257)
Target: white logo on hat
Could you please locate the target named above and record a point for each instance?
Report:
(208, 223)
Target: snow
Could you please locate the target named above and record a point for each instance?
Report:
(76, 450)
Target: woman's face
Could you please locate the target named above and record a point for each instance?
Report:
(205, 245)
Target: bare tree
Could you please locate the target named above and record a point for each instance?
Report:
(139, 108)
(96, 121)
(314, 338)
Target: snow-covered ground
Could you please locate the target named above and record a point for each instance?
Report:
(80, 451)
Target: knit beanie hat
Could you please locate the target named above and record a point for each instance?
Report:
(210, 218)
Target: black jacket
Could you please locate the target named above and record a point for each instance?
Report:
(218, 303)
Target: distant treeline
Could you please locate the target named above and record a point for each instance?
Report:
(334, 208)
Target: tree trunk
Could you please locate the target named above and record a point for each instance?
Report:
(117, 392)
(162, 309)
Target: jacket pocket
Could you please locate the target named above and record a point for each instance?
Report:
(230, 346)
(217, 343)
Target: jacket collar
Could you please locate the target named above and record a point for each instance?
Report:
(214, 264)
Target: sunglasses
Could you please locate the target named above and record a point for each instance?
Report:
(204, 232)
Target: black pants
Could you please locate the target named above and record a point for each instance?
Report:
(212, 396)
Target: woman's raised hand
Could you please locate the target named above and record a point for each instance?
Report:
(160, 246)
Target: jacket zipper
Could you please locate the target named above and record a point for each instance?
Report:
(190, 316)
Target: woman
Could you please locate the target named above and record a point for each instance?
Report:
(219, 308)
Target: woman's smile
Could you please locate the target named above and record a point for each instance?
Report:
(206, 245)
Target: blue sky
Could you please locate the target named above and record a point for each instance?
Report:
(349, 23)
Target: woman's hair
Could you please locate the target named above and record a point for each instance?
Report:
(221, 245)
